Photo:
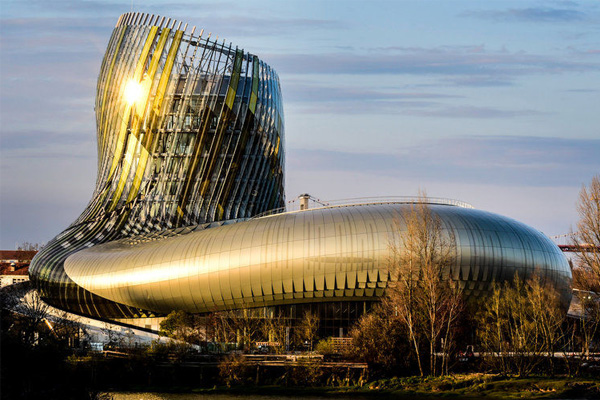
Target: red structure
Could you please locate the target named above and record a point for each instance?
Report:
(572, 248)
(14, 266)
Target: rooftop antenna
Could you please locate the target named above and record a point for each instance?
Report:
(131, 5)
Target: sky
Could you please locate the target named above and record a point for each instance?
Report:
(495, 103)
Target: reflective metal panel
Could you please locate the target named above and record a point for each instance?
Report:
(243, 265)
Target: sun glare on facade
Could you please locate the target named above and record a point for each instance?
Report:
(133, 92)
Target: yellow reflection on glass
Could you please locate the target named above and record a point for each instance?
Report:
(133, 92)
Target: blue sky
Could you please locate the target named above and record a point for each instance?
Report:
(495, 103)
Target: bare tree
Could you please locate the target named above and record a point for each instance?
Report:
(520, 325)
(547, 316)
(35, 311)
(27, 246)
(244, 327)
(491, 330)
(582, 331)
(276, 329)
(586, 274)
(67, 328)
(115, 338)
(422, 294)
(306, 331)
(249, 326)
(34, 322)
(588, 235)
(222, 329)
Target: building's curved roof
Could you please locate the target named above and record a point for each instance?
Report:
(325, 254)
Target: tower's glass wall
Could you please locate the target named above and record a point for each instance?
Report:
(190, 131)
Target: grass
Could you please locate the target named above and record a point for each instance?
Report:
(465, 386)
(489, 386)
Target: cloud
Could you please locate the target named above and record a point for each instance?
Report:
(413, 108)
(583, 90)
(328, 99)
(96, 8)
(303, 91)
(311, 99)
(76, 23)
(499, 67)
(473, 112)
(532, 14)
(12, 142)
(478, 81)
(49, 34)
(358, 106)
(498, 160)
(582, 52)
(243, 25)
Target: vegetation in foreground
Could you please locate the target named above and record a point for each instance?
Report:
(474, 385)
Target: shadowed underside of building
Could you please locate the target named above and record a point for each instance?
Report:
(190, 144)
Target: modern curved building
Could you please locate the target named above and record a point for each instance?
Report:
(190, 144)
(190, 131)
(318, 255)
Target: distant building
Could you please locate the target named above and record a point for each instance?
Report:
(14, 266)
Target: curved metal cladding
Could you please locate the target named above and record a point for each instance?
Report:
(317, 255)
(190, 131)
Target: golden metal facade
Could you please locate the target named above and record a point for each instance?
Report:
(319, 255)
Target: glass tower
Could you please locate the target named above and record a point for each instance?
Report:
(190, 131)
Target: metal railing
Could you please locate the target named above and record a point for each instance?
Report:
(370, 201)
(399, 200)
(274, 211)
